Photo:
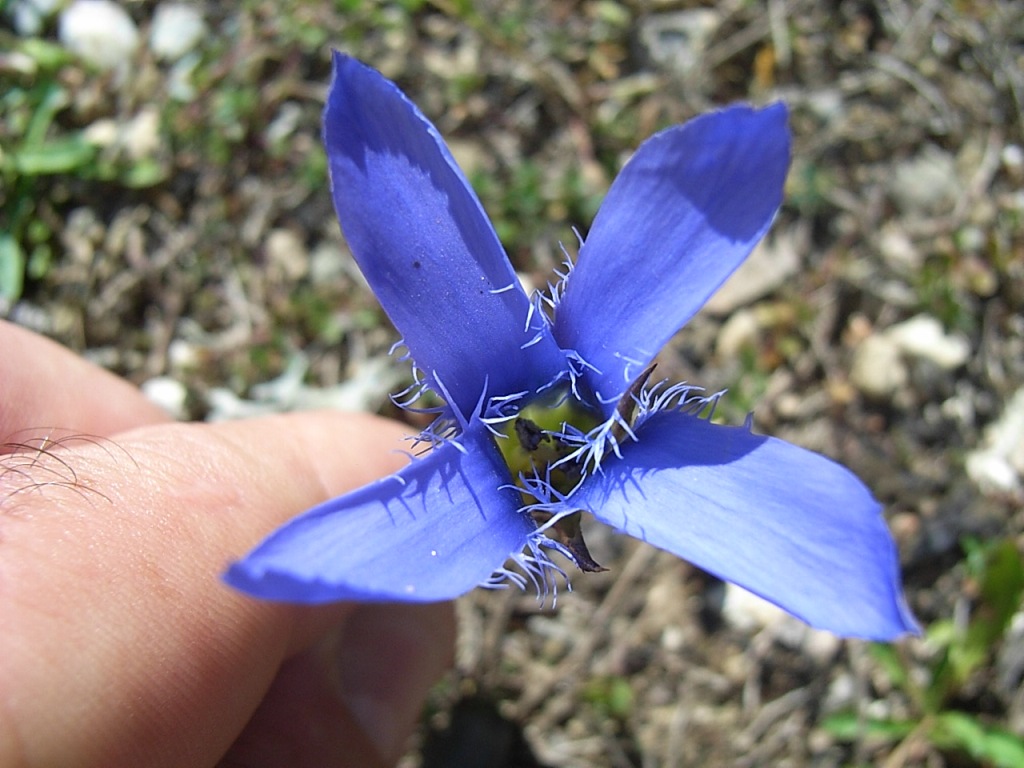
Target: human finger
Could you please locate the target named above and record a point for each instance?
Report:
(382, 660)
(116, 621)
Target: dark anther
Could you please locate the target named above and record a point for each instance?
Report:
(529, 434)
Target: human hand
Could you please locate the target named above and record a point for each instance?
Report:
(119, 643)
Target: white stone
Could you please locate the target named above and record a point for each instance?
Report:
(181, 354)
(142, 134)
(927, 183)
(225, 405)
(998, 465)
(898, 249)
(102, 133)
(677, 40)
(923, 336)
(170, 394)
(673, 638)
(745, 611)
(878, 369)
(1012, 157)
(286, 251)
(179, 77)
(176, 30)
(749, 613)
(138, 138)
(368, 385)
(99, 31)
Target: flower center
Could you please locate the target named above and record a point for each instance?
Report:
(535, 440)
(537, 443)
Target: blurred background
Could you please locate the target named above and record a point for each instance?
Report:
(164, 211)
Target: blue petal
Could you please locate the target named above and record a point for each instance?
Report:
(684, 212)
(445, 526)
(425, 246)
(783, 522)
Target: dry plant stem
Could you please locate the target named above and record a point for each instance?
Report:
(558, 704)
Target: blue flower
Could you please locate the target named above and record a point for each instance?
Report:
(548, 406)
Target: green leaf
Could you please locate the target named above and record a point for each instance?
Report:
(144, 173)
(1003, 582)
(848, 726)
(611, 695)
(12, 268)
(48, 56)
(50, 98)
(995, 745)
(54, 157)
(998, 569)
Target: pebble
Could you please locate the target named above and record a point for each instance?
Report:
(327, 264)
(286, 251)
(898, 249)
(177, 29)
(923, 336)
(102, 133)
(170, 394)
(998, 465)
(738, 332)
(927, 183)
(842, 693)
(880, 362)
(142, 134)
(1012, 158)
(179, 78)
(182, 355)
(878, 370)
(677, 40)
(745, 611)
(138, 138)
(100, 31)
(749, 613)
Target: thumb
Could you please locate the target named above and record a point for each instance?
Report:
(133, 651)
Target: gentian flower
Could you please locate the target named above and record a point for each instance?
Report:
(549, 409)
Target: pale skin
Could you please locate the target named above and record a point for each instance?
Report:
(119, 644)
